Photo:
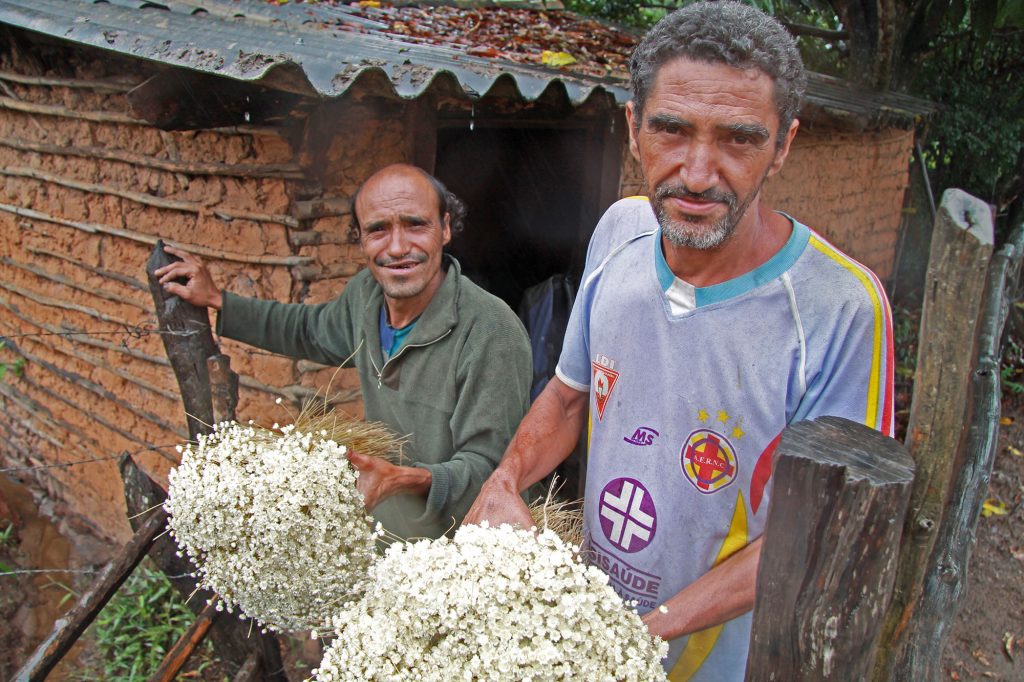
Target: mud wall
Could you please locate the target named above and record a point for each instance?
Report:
(847, 186)
(84, 192)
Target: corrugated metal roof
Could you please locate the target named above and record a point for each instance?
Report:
(246, 40)
(307, 52)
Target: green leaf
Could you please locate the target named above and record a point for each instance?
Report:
(1011, 14)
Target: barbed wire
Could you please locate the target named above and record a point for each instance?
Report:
(23, 571)
(105, 458)
(138, 331)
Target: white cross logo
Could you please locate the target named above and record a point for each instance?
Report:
(627, 519)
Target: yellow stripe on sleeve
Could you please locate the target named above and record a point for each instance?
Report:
(871, 417)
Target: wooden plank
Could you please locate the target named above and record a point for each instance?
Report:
(106, 274)
(65, 112)
(289, 171)
(312, 273)
(107, 85)
(43, 273)
(954, 287)
(69, 627)
(945, 580)
(829, 554)
(194, 207)
(132, 235)
(179, 654)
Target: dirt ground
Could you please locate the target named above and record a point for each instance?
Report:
(987, 640)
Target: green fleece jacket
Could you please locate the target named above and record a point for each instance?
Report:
(458, 388)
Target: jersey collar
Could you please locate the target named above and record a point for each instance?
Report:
(683, 297)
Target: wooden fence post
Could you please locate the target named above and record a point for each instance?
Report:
(954, 287)
(920, 655)
(209, 391)
(188, 341)
(829, 556)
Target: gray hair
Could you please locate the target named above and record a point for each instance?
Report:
(727, 33)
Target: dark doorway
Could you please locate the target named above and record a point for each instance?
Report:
(528, 202)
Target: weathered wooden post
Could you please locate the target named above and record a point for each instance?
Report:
(829, 556)
(185, 330)
(920, 655)
(209, 391)
(962, 243)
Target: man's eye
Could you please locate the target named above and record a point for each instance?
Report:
(742, 139)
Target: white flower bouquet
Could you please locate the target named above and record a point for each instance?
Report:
(490, 604)
(273, 520)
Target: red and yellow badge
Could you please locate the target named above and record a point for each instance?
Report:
(708, 461)
(603, 383)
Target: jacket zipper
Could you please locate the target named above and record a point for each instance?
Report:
(380, 372)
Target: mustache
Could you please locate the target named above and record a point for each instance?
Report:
(681, 191)
(385, 261)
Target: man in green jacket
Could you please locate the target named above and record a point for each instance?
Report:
(439, 359)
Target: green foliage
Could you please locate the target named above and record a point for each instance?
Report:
(7, 535)
(16, 368)
(905, 327)
(138, 626)
(1011, 369)
(976, 141)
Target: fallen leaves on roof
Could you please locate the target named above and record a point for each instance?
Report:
(551, 38)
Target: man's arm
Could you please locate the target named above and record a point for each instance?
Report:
(323, 333)
(544, 439)
(721, 594)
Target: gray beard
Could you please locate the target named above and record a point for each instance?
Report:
(693, 233)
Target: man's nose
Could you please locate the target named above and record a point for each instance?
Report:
(698, 168)
(398, 244)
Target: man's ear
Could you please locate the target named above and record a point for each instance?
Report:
(783, 152)
(632, 125)
(446, 229)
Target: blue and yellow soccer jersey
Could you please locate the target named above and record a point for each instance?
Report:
(690, 389)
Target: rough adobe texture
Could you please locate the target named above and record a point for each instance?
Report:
(110, 390)
(847, 186)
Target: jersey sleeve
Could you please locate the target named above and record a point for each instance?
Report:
(624, 221)
(855, 377)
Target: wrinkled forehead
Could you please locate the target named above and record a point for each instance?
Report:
(399, 190)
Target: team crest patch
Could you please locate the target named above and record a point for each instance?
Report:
(708, 461)
(604, 381)
(628, 517)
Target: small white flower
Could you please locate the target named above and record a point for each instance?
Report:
(490, 604)
(274, 523)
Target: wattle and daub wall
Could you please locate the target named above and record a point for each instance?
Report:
(85, 190)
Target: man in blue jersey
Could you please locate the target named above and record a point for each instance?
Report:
(705, 323)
